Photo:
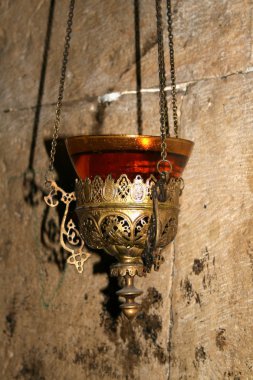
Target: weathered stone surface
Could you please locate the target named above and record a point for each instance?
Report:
(212, 287)
(102, 48)
(212, 39)
(58, 324)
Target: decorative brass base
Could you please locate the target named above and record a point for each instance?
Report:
(131, 269)
(130, 308)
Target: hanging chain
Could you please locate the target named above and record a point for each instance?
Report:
(61, 88)
(172, 68)
(164, 120)
(160, 193)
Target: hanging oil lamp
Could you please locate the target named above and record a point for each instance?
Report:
(128, 187)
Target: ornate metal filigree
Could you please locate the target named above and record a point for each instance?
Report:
(123, 190)
(70, 238)
(116, 215)
(130, 220)
(127, 269)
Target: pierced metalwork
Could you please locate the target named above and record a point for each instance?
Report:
(130, 220)
(115, 214)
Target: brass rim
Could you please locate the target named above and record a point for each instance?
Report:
(102, 143)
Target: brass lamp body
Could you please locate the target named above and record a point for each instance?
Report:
(118, 214)
(115, 216)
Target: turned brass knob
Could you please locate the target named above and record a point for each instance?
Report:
(130, 308)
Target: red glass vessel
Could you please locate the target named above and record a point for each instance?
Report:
(125, 154)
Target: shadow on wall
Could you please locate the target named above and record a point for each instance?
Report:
(34, 192)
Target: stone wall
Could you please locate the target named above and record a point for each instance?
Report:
(197, 318)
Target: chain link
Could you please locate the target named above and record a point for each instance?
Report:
(164, 120)
(172, 68)
(61, 88)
